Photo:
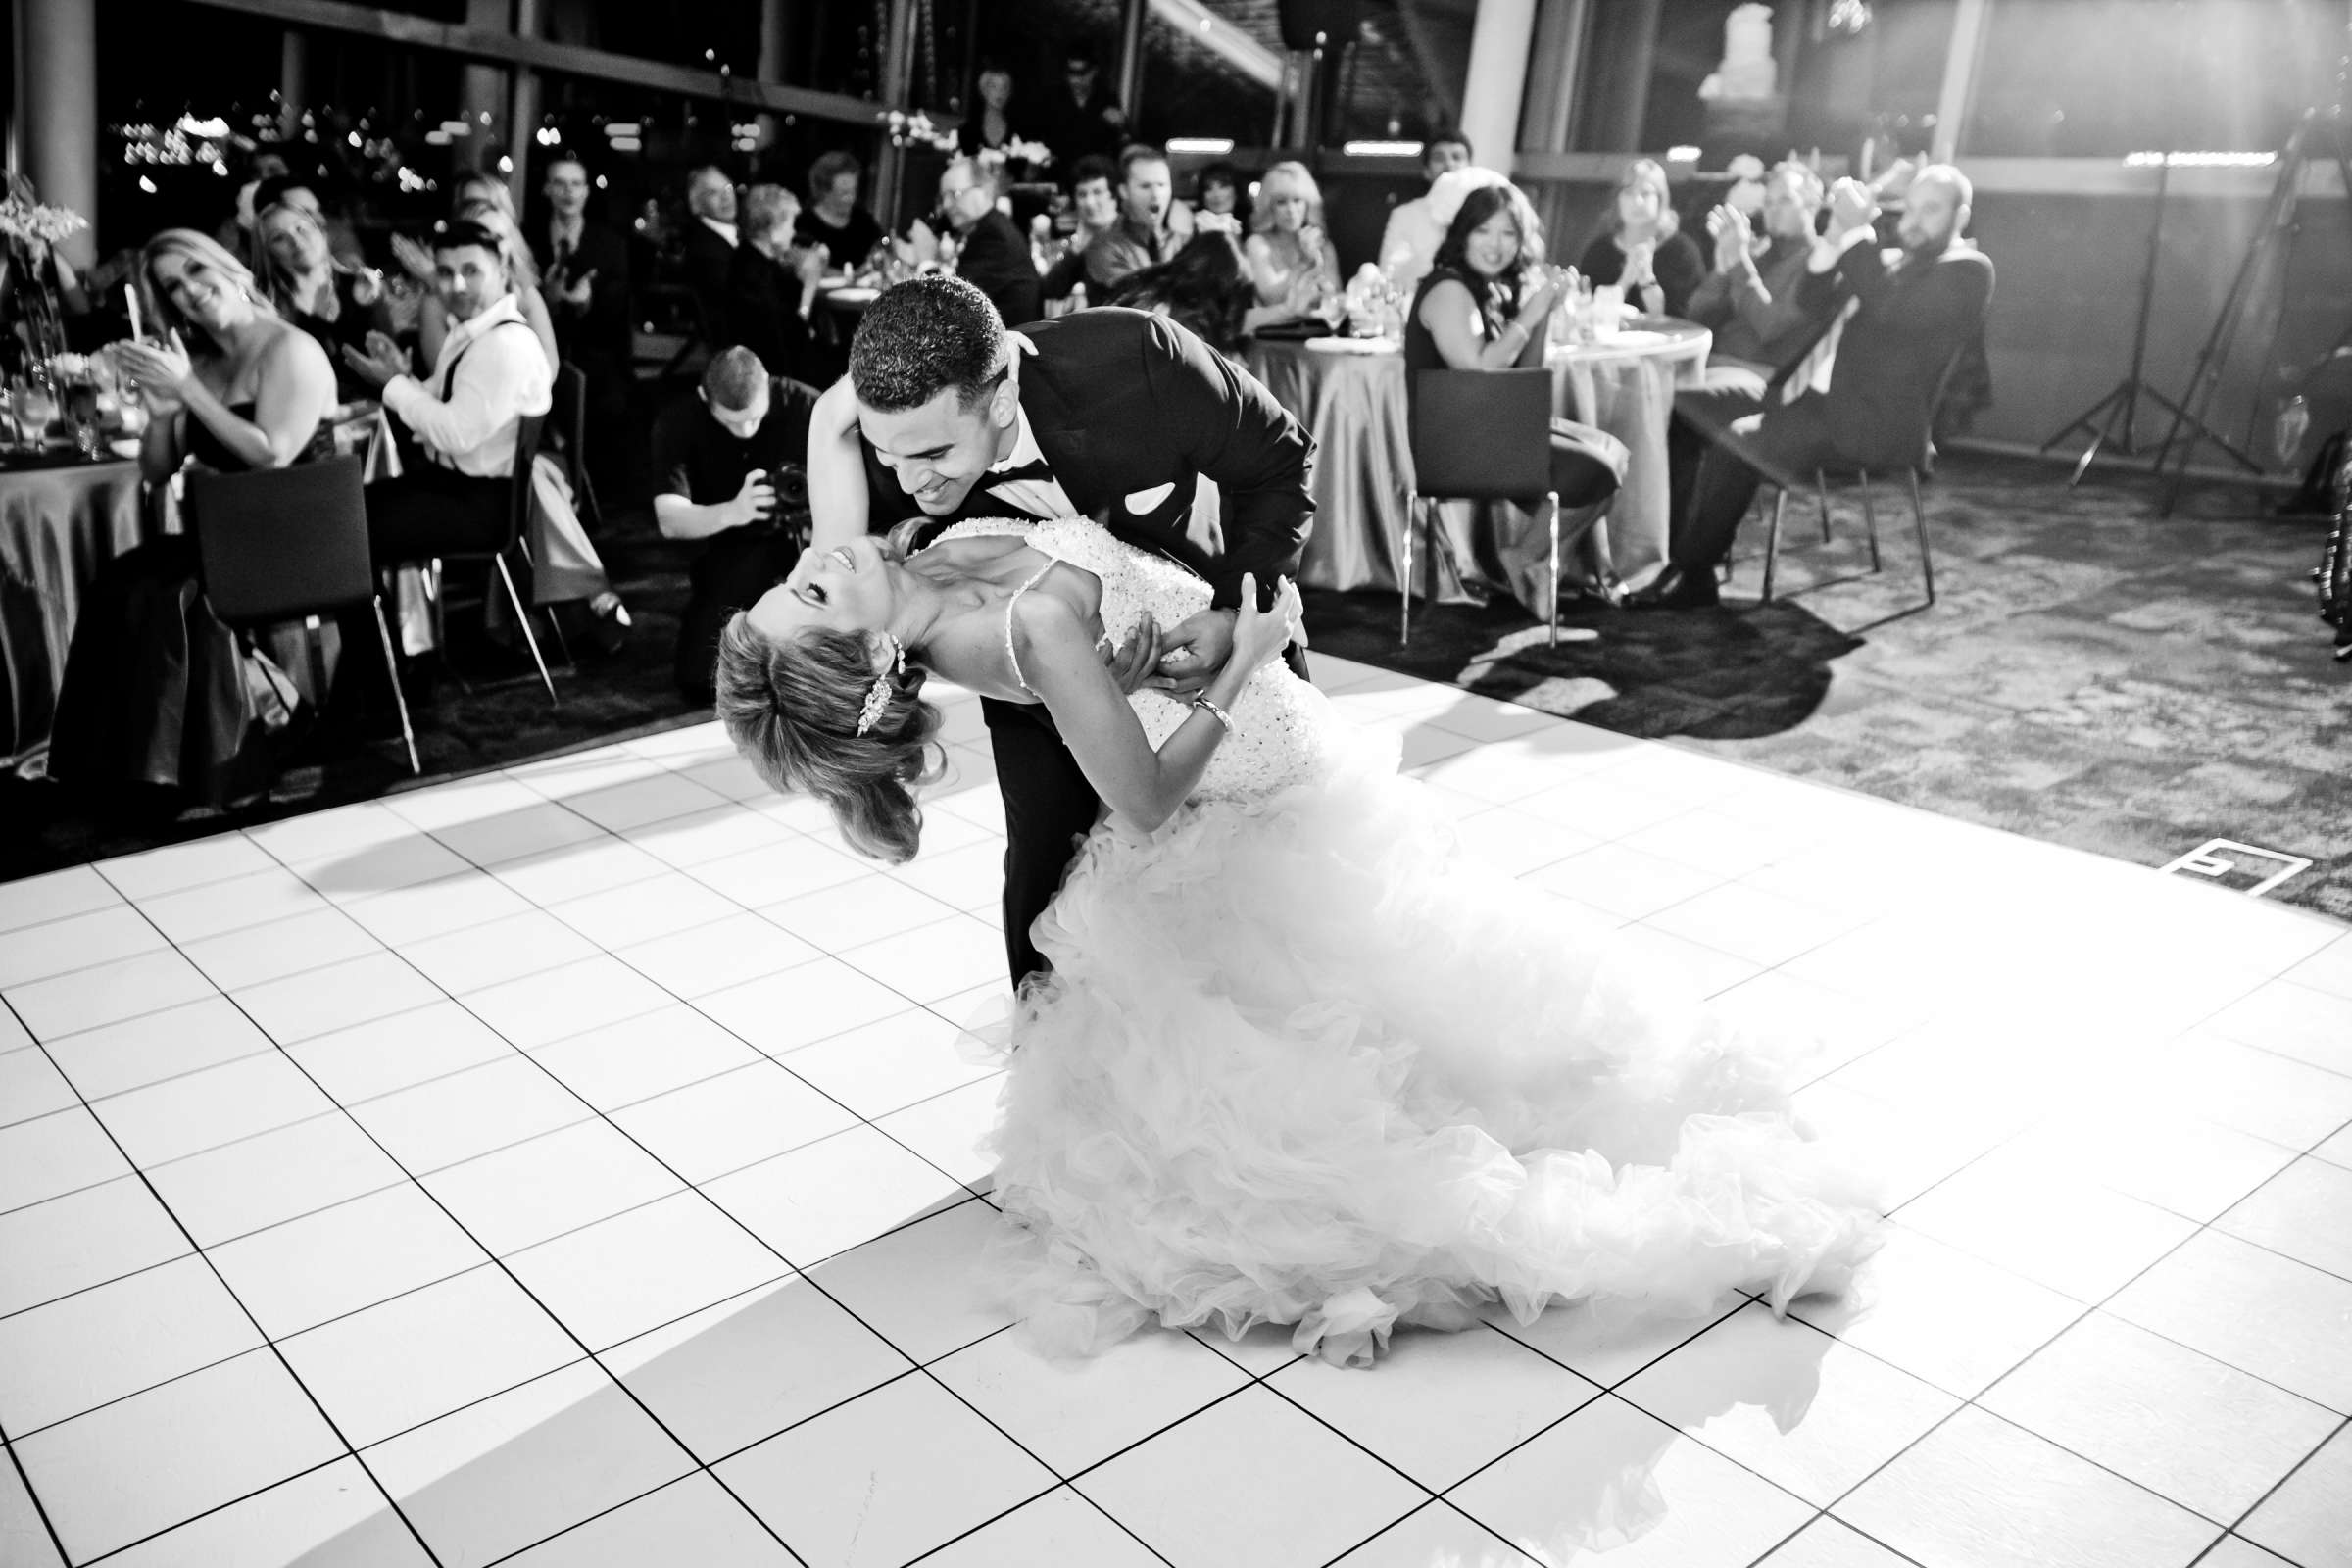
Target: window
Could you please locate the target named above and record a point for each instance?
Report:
(2077, 78)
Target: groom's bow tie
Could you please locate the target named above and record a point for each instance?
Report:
(1034, 468)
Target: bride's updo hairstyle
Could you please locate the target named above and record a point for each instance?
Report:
(792, 708)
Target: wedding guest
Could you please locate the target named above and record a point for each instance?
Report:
(585, 273)
(1084, 120)
(710, 243)
(1751, 299)
(335, 301)
(993, 127)
(416, 257)
(1094, 209)
(717, 454)
(1204, 286)
(990, 252)
(1413, 231)
(1222, 191)
(1291, 262)
(1485, 305)
(154, 690)
(1643, 248)
(833, 219)
(234, 233)
(771, 288)
(293, 190)
(1864, 397)
(466, 417)
(1142, 236)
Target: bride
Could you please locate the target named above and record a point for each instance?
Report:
(1297, 1060)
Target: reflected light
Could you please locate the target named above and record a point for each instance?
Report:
(2213, 160)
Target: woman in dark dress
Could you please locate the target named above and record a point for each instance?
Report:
(335, 302)
(1643, 248)
(833, 218)
(1487, 305)
(155, 689)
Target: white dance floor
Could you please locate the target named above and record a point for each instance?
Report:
(575, 1166)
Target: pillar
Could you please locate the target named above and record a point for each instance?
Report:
(1959, 78)
(1131, 61)
(1498, 60)
(775, 19)
(898, 78)
(522, 118)
(482, 94)
(293, 80)
(55, 131)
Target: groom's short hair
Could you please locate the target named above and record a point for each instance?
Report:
(923, 336)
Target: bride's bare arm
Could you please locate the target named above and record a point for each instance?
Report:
(839, 502)
(1101, 731)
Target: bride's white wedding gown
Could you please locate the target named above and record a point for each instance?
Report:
(1300, 1061)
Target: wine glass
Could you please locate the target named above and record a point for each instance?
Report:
(37, 410)
(1330, 307)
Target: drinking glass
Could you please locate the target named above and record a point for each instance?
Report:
(37, 410)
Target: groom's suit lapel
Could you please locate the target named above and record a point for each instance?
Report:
(1067, 448)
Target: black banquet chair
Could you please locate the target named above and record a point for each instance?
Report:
(291, 544)
(1486, 435)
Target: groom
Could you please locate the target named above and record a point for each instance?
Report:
(1108, 413)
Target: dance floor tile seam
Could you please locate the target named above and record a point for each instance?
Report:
(399, 843)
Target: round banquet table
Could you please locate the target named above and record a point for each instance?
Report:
(1354, 406)
(58, 527)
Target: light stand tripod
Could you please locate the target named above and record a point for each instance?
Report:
(2269, 253)
(2114, 419)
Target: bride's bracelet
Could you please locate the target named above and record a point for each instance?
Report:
(1215, 713)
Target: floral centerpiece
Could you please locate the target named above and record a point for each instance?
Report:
(916, 130)
(30, 229)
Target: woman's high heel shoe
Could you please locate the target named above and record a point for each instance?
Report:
(1603, 587)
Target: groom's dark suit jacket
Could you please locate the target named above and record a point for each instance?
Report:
(1123, 403)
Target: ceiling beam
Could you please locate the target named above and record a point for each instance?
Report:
(495, 47)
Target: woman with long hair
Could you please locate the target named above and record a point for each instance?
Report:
(156, 690)
(1642, 247)
(1204, 286)
(1297, 1060)
(1485, 305)
(1291, 262)
(336, 303)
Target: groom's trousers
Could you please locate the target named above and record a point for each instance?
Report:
(1049, 808)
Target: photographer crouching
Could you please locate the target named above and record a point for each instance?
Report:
(727, 470)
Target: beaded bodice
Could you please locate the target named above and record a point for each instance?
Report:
(1282, 726)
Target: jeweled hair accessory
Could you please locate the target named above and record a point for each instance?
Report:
(877, 697)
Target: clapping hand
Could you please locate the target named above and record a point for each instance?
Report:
(580, 290)
(161, 369)
(809, 266)
(382, 360)
(413, 259)
(1733, 239)
(1640, 260)
(1852, 205)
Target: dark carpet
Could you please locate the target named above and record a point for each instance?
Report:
(2090, 675)
(355, 755)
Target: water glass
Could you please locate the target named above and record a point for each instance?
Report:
(37, 411)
